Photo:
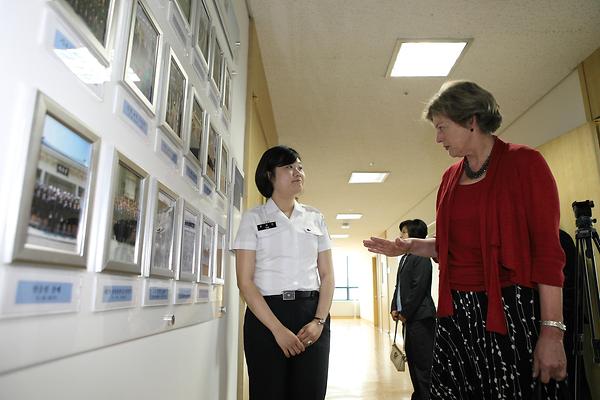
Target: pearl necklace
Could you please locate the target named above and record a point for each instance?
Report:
(476, 174)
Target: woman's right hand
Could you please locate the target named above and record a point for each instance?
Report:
(390, 248)
(288, 342)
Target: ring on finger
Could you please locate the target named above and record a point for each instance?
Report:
(309, 342)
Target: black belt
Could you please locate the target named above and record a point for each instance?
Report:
(294, 294)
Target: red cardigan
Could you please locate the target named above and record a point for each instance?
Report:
(519, 225)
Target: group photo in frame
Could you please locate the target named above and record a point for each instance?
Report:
(207, 247)
(143, 56)
(125, 231)
(219, 270)
(93, 21)
(175, 98)
(216, 65)
(58, 188)
(235, 209)
(226, 96)
(185, 7)
(223, 186)
(190, 243)
(203, 34)
(212, 154)
(164, 249)
(198, 122)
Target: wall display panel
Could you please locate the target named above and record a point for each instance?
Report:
(223, 186)
(125, 230)
(175, 99)
(93, 20)
(212, 153)
(190, 241)
(202, 40)
(114, 292)
(163, 259)
(207, 247)
(58, 188)
(198, 123)
(143, 56)
(219, 271)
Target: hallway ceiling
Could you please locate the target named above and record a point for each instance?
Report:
(325, 63)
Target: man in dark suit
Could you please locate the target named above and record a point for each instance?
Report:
(412, 304)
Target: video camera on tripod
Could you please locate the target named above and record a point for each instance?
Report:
(587, 295)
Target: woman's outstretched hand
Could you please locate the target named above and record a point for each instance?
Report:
(390, 248)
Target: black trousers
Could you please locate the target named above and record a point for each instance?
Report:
(419, 337)
(272, 375)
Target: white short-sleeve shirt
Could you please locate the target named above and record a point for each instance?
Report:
(286, 248)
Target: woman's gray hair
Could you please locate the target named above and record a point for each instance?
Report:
(462, 100)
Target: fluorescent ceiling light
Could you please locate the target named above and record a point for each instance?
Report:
(434, 58)
(368, 177)
(348, 216)
(339, 236)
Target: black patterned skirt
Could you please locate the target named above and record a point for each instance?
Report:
(470, 363)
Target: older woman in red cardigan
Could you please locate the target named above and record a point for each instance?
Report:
(500, 323)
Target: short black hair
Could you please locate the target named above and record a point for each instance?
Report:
(277, 156)
(416, 228)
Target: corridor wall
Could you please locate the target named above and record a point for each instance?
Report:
(79, 319)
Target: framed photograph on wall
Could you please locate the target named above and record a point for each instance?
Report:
(207, 247)
(203, 34)
(58, 188)
(234, 211)
(125, 231)
(93, 20)
(163, 258)
(216, 65)
(198, 122)
(226, 96)
(223, 186)
(185, 8)
(212, 153)
(219, 270)
(175, 99)
(143, 56)
(190, 243)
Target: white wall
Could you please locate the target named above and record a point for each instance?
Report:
(194, 362)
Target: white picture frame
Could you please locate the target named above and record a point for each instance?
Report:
(164, 238)
(58, 188)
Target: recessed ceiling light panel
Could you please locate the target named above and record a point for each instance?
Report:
(368, 177)
(426, 58)
(349, 216)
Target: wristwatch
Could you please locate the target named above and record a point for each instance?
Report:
(319, 320)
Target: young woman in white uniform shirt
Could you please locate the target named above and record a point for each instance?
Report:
(285, 274)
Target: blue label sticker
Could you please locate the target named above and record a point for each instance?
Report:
(158, 293)
(135, 117)
(190, 173)
(61, 42)
(207, 189)
(168, 151)
(203, 293)
(43, 292)
(184, 293)
(117, 293)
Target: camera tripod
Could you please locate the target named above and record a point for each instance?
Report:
(586, 290)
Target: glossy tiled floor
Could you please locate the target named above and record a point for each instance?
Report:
(359, 365)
